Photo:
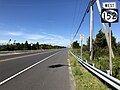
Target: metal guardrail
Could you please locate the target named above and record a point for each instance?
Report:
(102, 75)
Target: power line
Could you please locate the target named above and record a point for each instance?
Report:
(78, 14)
(86, 11)
(75, 12)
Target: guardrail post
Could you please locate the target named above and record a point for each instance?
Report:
(101, 74)
(93, 64)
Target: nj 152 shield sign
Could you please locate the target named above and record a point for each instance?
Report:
(109, 15)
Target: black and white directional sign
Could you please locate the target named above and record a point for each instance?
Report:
(109, 5)
(109, 15)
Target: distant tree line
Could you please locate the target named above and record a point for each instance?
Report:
(27, 46)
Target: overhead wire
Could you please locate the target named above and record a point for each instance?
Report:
(79, 11)
(76, 16)
(86, 11)
(75, 12)
(82, 20)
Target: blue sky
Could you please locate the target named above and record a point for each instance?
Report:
(47, 21)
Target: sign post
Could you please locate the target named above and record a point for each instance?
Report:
(109, 14)
(110, 47)
(81, 39)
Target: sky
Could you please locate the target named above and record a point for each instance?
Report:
(48, 21)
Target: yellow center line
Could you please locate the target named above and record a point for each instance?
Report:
(23, 56)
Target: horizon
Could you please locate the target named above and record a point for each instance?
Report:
(48, 22)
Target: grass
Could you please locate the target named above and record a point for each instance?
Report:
(83, 79)
(102, 62)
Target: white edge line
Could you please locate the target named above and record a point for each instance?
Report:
(6, 80)
(73, 84)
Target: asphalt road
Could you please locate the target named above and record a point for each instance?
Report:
(51, 73)
(5, 56)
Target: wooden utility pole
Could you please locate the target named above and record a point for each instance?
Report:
(91, 30)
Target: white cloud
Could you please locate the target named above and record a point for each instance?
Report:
(42, 38)
(3, 42)
(57, 40)
(15, 33)
(34, 36)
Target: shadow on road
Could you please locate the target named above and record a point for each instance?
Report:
(57, 65)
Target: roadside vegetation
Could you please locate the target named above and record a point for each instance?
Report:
(26, 46)
(83, 79)
(101, 53)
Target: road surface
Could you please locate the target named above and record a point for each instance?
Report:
(46, 70)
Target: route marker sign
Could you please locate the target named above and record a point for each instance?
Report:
(109, 13)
